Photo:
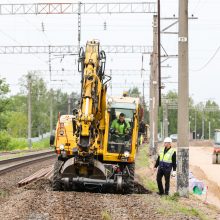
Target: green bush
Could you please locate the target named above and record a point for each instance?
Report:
(5, 138)
(42, 144)
(17, 144)
(7, 143)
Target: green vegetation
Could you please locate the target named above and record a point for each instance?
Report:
(43, 144)
(8, 143)
(143, 161)
(17, 144)
(134, 92)
(142, 157)
(14, 111)
(196, 113)
(170, 205)
(167, 205)
(149, 184)
(5, 139)
(3, 193)
(106, 215)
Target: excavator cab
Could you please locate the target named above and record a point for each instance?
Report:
(120, 132)
(123, 131)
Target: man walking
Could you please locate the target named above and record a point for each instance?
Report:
(166, 161)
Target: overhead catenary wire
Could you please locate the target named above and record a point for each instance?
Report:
(208, 62)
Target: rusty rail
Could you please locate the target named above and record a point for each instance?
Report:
(15, 163)
(45, 173)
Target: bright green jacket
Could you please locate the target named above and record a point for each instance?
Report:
(119, 127)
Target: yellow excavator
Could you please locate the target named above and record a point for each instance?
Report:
(97, 144)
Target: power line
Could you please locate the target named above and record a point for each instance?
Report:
(197, 5)
(207, 63)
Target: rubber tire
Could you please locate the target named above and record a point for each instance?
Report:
(129, 182)
(57, 184)
(214, 158)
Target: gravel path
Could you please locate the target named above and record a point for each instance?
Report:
(38, 201)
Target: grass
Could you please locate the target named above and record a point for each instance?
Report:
(142, 160)
(15, 144)
(22, 145)
(106, 215)
(171, 205)
(43, 144)
(142, 157)
(3, 193)
(167, 205)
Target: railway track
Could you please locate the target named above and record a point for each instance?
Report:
(15, 163)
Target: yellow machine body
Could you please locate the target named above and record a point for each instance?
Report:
(89, 151)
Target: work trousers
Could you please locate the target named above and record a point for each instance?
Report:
(166, 174)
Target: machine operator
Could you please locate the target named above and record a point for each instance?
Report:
(120, 126)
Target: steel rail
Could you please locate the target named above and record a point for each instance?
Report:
(18, 162)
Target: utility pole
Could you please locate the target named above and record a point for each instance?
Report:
(29, 111)
(49, 62)
(79, 24)
(154, 91)
(189, 130)
(162, 130)
(195, 125)
(209, 130)
(51, 111)
(69, 105)
(203, 125)
(165, 119)
(183, 103)
(151, 107)
(159, 53)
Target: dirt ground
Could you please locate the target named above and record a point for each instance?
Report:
(38, 201)
(201, 166)
(200, 159)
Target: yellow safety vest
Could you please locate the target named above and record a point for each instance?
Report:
(167, 157)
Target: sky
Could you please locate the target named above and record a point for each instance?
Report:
(121, 29)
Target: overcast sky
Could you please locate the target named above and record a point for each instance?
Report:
(121, 29)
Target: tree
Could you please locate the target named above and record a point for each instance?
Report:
(134, 92)
(42, 99)
(171, 97)
(17, 125)
(4, 101)
(39, 102)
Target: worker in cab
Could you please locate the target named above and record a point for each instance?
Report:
(120, 126)
(166, 162)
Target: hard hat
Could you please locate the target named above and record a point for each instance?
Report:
(167, 140)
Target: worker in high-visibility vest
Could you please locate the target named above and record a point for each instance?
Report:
(166, 161)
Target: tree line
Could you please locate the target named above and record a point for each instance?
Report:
(204, 117)
(14, 109)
